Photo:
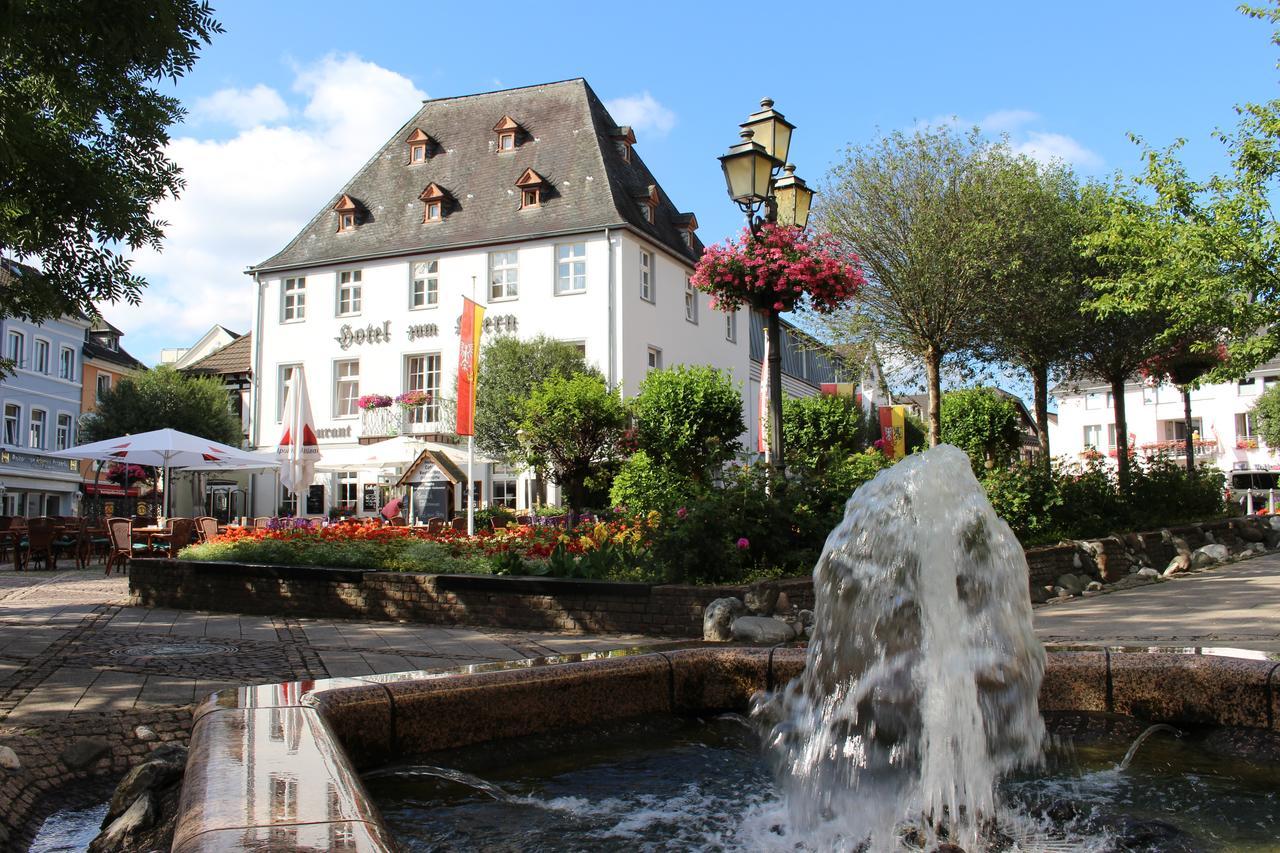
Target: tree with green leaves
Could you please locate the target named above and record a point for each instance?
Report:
(1266, 411)
(916, 208)
(573, 426)
(823, 429)
(688, 419)
(984, 424)
(163, 398)
(83, 132)
(510, 368)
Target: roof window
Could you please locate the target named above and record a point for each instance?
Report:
(532, 188)
(420, 145)
(348, 210)
(509, 132)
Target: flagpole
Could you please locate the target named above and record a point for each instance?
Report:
(471, 446)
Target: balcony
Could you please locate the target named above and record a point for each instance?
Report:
(394, 420)
(1178, 448)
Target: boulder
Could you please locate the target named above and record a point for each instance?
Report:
(1040, 594)
(146, 777)
(1249, 531)
(9, 759)
(145, 733)
(1148, 573)
(805, 617)
(1073, 584)
(1180, 545)
(1208, 555)
(783, 604)
(83, 753)
(1274, 521)
(761, 629)
(119, 835)
(717, 619)
(1180, 563)
(1258, 548)
(1093, 586)
(760, 600)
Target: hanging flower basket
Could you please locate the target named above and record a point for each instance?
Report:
(413, 399)
(777, 268)
(373, 401)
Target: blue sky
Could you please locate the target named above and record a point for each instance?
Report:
(289, 102)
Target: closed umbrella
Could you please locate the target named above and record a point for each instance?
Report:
(298, 451)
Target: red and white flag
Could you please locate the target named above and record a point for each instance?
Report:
(468, 365)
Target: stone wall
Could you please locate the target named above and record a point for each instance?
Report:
(552, 604)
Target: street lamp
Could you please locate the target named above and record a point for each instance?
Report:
(751, 173)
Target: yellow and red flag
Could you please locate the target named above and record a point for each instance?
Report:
(893, 431)
(468, 365)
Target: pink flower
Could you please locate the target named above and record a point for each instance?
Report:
(744, 543)
(681, 512)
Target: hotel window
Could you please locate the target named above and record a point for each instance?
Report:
(67, 363)
(433, 212)
(1246, 426)
(41, 350)
(1111, 436)
(571, 268)
(654, 358)
(418, 153)
(690, 301)
(504, 494)
(422, 373)
(1247, 387)
(349, 290)
(62, 439)
(1093, 436)
(503, 276)
(1093, 400)
(346, 388)
(12, 423)
(646, 211)
(293, 295)
(687, 238)
(17, 348)
(284, 373)
(425, 291)
(39, 424)
(731, 326)
(346, 222)
(531, 197)
(507, 141)
(646, 276)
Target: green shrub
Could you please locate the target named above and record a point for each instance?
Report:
(642, 486)
(816, 429)
(983, 424)
(688, 419)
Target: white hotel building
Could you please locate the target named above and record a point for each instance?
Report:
(531, 201)
(1225, 433)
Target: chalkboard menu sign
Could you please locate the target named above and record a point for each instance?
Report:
(372, 502)
(315, 500)
(430, 500)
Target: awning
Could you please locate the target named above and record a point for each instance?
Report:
(109, 490)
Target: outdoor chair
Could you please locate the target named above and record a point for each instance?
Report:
(261, 521)
(524, 519)
(206, 526)
(460, 524)
(435, 525)
(6, 523)
(499, 522)
(179, 536)
(39, 543)
(120, 532)
(397, 521)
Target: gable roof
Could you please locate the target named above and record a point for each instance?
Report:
(101, 352)
(571, 141)
(235, 357)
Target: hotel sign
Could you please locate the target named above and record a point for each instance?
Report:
(37, 462)
(370, 334)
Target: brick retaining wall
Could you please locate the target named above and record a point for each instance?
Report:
(550, 604)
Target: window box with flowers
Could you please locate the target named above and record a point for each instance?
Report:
(1246, 444)
(378, 417)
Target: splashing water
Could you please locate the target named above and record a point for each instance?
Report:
(1133, 750)
(921, 679)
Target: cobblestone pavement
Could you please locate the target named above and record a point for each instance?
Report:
(80, 667)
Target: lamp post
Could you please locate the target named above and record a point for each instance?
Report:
(751, 172)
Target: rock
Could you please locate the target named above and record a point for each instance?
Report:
(760, 600)
(1251, 532)
(1060, 592)
(1040, 594)
(145, 778)
(9, 759)
(792, 625)
(783, 604)
(1073, 584)
(1130, 833)
(83, 753)
(1258, 548)
(761, 629)
(140, 815)
(145, 733)
(1180, 545)
(1209, 555)
(1134, 542)
(805, 617)
(1179, 563)
(1148, 573)
(1092, 586)
(718, 617)
(1076, 562)
(1274, 521)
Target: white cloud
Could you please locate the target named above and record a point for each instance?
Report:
(1048, 147)
(643, 113)
(1005, 121)
(242, 107)
(247, 196)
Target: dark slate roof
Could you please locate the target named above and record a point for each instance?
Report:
(235, 357)
(568, 138)
(102, 352)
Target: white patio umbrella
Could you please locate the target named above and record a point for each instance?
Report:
(161, 448)
(298, 451)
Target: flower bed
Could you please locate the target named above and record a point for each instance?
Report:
(614, 549)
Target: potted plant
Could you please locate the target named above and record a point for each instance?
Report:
(368, 402)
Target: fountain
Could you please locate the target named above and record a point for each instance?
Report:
(912, 721)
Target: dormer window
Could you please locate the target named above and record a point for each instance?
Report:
(508, 130)
(435, 198)
(625, 137)
(532, 187)
(687, 223)
(649, 203)
(418, 143)
(348, 213)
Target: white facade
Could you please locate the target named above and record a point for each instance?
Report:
(621, 297)
(1224, 432)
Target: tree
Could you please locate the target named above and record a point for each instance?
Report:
(688, 419)
(916, 210)
(823, 428)
(573, 427)
(510, 369)
(1032, 314)
(984, 424)
(82, 138)
(1266, 409)
(773, 270)
(159, 399)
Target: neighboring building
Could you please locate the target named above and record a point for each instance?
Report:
(210, 342)
(226, 492)
(1029, 434)
(531, 201)
(1224, 432)
(40, 406)
(105, 363)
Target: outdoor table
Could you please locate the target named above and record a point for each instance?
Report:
(147, 533)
